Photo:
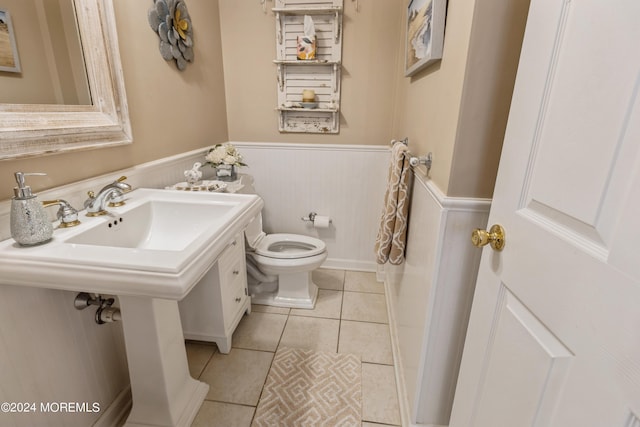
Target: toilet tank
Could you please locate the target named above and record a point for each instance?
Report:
(246, 187)
(253, 232)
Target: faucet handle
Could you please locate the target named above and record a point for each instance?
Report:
(92, 197)
(67, 214)
(117, 198)
(121, 185)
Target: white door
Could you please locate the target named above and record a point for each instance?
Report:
(554, 335)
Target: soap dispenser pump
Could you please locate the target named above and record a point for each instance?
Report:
(29, 222)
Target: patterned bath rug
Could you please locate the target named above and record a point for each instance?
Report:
(311, 388)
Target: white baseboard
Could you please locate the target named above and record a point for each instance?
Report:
(116, 414)
(349, 264)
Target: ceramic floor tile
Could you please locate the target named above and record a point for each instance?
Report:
(236, 380)
(328, 305)
(237, 377)
(216, 414)
(364, 307)
(259, 308)
(198, 355)
(311, 333)
(361, 281)
(259, 331)
(328, 279)
(369, 340)
(379, 395)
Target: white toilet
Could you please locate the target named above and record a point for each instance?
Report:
(280, 266)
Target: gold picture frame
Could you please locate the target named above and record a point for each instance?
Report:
(425, 34)
(9, 59)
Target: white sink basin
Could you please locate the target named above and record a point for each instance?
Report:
(157, 225)
(150, 253)
(158, 245)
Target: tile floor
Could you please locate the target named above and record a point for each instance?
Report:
(350, 317)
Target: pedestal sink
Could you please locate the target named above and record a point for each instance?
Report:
(150, 253)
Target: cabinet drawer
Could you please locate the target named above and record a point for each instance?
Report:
(232, 271)
(234, 296)
(233, 278)
(233, 252)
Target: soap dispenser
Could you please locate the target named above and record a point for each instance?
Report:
(30, 224)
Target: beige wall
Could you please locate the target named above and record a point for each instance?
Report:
(496, 39)
(369, 73)
(458, 108)
(428, 104)
(171, 111)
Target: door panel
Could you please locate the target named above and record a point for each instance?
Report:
(553, 337)
(526, 357)
(581, 142)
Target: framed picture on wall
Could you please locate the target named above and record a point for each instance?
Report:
(425, 34)
(9, 60)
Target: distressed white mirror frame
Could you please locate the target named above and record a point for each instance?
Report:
(33, 130)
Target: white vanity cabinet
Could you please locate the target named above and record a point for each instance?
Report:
(214, 307)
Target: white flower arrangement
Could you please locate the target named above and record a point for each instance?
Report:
(224, 154)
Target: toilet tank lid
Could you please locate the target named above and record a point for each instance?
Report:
(246, 184)
(253, 232)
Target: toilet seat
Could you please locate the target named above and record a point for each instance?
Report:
(288, 246)
(281, 245)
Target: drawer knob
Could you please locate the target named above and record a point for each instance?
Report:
(238, 299)
(236, 272)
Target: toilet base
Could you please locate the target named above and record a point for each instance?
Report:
(288, 292)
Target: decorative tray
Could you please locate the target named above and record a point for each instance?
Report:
(214, 186)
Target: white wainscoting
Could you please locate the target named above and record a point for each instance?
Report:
(429, 299)
(345, 182)
(50, 352)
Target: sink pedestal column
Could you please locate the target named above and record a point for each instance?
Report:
(164, 394)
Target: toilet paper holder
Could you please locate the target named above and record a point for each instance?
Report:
(312, 217)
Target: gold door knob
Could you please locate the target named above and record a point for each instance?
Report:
(494, 237)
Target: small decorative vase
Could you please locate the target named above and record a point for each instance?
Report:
(226, 173)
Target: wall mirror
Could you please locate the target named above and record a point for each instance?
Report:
(38, 129)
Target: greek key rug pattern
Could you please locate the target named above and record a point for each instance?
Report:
(311, 388)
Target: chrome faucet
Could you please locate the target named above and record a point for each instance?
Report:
(110, 195)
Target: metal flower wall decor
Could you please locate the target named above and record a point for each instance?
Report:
(170, 19)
